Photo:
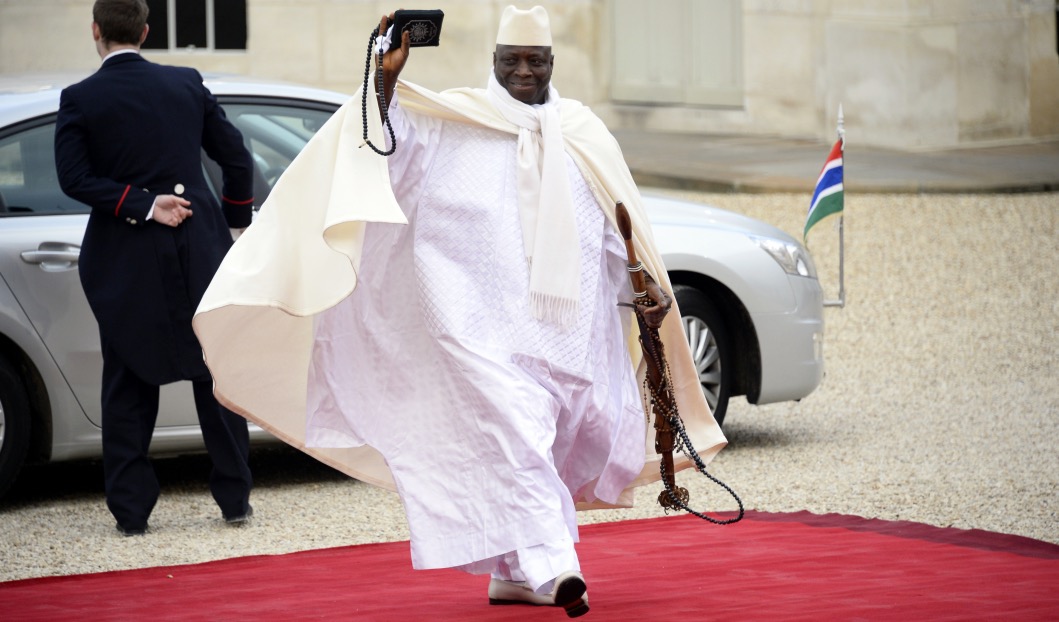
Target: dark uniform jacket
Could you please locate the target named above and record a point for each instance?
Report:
(129, 132)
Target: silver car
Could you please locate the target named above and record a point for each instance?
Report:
(750, 299)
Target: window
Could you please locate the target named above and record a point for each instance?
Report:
(275, 133)
(694, 56)
(274, 130)
(28, 182)
(196, 24)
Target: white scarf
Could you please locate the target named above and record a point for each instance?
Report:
(546, 207)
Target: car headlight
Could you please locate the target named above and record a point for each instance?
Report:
(793, 258)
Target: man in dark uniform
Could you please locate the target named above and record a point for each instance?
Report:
(128, 143)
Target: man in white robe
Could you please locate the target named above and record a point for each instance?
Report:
(481, 353)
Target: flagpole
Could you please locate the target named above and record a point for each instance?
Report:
(841, 302)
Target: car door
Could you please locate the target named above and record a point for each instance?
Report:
(40, 238)
(41, 232)
(40, 241)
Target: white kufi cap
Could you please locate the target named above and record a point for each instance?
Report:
(518, 27)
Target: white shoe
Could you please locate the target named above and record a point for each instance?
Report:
(515, 592)
(569, 593)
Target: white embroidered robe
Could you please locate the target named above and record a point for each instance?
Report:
(307, 253)
(491, 421)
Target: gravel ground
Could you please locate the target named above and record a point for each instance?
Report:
(940, 405)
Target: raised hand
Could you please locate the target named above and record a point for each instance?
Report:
(393, 61)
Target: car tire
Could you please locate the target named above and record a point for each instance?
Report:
(14, 425)
(710, 345)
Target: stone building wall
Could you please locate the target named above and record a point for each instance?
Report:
(916, 74)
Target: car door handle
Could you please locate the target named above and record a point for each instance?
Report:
(53, 256)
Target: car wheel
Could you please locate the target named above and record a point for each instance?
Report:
(710, 346)
(14, 425)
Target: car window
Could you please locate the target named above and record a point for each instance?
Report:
(28, 182)
(275, 133)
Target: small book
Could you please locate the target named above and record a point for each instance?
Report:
(423, 27)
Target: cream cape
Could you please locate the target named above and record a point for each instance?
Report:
(302, 254)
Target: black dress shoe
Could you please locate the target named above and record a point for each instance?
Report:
(240, 519)
(132, 531)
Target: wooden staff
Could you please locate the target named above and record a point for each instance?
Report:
(663, 404)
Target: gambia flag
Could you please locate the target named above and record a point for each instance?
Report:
(827, 198)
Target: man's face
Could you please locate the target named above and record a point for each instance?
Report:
(525, 71)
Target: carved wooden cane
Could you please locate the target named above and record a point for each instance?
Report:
(662, 401)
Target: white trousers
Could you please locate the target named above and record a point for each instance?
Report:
(536, 565)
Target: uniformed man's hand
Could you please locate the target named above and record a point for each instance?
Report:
(663, 303)
(169, 209)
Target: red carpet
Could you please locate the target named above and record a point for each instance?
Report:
(796, 566)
